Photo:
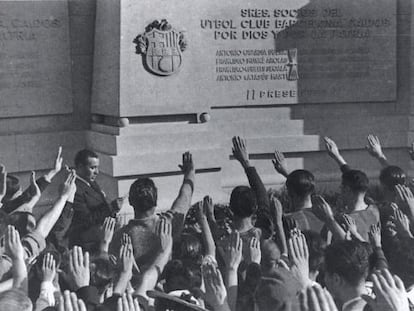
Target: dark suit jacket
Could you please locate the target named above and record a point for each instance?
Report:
(90, 208)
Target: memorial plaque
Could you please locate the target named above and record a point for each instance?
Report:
(256, 53)
(35, 65)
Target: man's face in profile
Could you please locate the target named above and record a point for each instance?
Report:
(90, 170)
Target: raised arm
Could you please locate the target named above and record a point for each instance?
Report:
(375, 150)
(56, 167)
(201, 212)
(67, 194)
(323, 211)
(277, 214)
(150, 276)
(14, 249)
(183, 201)
(279, 163)
(334, 153)
(3, 183)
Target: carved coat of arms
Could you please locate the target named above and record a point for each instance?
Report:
(161, 47)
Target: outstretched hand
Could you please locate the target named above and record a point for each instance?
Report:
(187, 166)
(314, 298)
(68, 188)
(14, 247)
(374, 146)
(216, 293)
(279, 163)
(232, 250)
(390, 294)
(240, 151)
(79, 267)
(322, 209)
(299, 257)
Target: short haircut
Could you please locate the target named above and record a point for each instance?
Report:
(391, 176)
(301, 183)
(16, 300)
(179, 275)
(401, 260)
(356, 180)
(82, 156)
(143, 195)
(243, 202)
(349, 260)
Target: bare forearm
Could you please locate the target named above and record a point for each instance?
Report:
(282, 237)
(336, 229)
(208, 239)
(183, 201)
(49, 219)
(19, 271)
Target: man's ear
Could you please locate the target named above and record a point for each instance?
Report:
(336, 279)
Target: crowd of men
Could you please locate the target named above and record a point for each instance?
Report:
(255, 254)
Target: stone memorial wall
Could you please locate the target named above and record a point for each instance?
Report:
(35, 64)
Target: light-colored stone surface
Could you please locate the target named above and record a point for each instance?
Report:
(35, 58)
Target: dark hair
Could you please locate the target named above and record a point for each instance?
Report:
(190, 247)
(82, 156)
(300, 183)
(348, 259)
(401, 260)
(15, 299)
(243, 202)
(104, 271)
(179, 275)
(356, 180)
(391, 176)
(316, 246)
(24, 222)
(143, 195)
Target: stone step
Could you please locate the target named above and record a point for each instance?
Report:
(151, 143)
(165, 162)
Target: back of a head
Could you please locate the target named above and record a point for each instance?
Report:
(181, 276)
(356, 180)
(401, 260)
(300, 183)
(143, 195)
(243, 202)
(16, 300)
(391, 176)
(349, 260)
(82, 156)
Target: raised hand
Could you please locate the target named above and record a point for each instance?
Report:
(70, 302)
(58, 161)
(216, 293)
(127, 303)
(279, 163)
(68, 188)
(79, 267)
(107, 233)
(331, 147)
(375, 235)
(374, 147)
(240, 151)
(208, 207)
(126, 255)
(401, 221)
(232, 251)
(187, 166)
(3, 182)
(406, 197)
(34, 189)
(390, 293)
(48, 268)
(322, 209)
(14, 247)
(255, 254)
(350, 226)
(164, 232)
(276, 209)
(299, 257)
(314, 298)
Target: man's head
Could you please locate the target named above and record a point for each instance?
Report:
(316, 246)
(243, 202)
(391, 176)
(401, 260)
(87, 164)
(16, 300)
(346, 266)
(143, 195)
(300, 184)
(270, 256)
(354, 183)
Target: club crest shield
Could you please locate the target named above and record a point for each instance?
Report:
(161, 47)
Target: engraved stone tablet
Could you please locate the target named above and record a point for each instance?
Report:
(35, 67)
(248, 53)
